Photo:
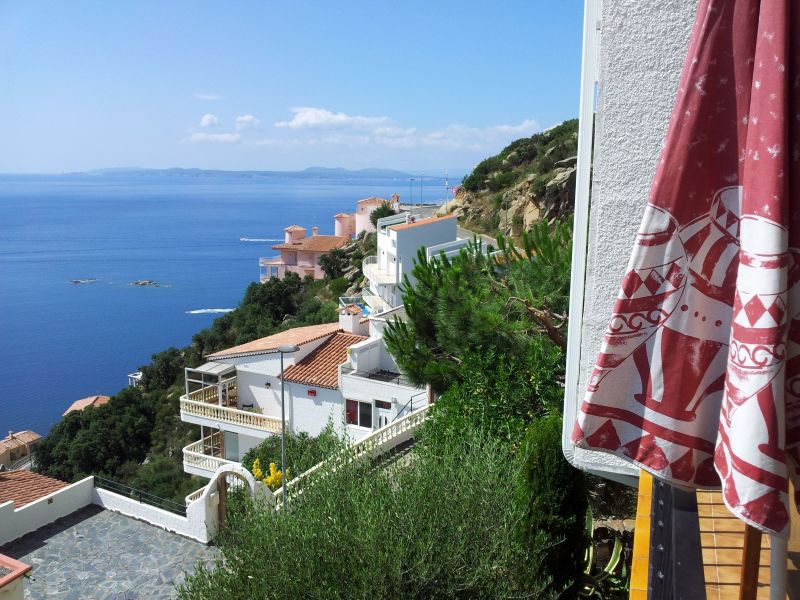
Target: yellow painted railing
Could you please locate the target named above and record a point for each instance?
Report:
(224, 414)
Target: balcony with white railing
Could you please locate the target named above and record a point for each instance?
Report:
(216, 406)
(205, 456)
(375, 274)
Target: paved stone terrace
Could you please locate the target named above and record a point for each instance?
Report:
(95, 554)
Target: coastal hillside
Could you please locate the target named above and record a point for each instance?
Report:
(531, 179)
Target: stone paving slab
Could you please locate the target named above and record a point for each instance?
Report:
(95, 554)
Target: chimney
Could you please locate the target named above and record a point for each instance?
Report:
(314, 231)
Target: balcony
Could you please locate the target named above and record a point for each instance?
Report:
(380, 376)
(216, 406)
(205, 456)
(375, 274)
(375, 303)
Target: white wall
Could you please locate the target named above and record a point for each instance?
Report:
(15, 523)
(310, 414)
(409, 241)
(247, 442)
(642, 48)
(367, 390)
(193, 525)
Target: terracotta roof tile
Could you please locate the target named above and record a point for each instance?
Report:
(19, 439)
(428, 221)
(315, 243)
(298, 335)
(343, 215)
(351, 309)
(24, 487)
(90, 401)
(321, 367)
(373, 200)
(294, 228)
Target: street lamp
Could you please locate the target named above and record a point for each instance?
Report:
(411, 194)
(285, 349)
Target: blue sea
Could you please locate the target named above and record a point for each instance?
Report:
(198, 237)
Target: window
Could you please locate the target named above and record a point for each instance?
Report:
(383, 404)
(359, 413)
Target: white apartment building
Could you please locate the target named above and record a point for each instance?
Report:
(338, 374)
(399, 239)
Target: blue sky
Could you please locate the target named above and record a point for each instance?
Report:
(280, 85)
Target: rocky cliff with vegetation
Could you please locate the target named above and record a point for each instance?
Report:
(531, 179)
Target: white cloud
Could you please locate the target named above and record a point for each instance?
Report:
(321, 118)
(209, 120)
(213, 138)
(245, 122)
(207, 96)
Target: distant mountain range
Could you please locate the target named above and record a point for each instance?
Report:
(310, 172)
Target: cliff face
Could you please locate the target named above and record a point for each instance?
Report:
(531, 179)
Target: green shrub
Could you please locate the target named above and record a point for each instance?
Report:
(553, 502)
(384, 210)
(302, 450)
(339, 286)
(440, 526)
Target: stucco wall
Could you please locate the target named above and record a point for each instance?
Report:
(17, 522)
(642, 49)
(193, 525)
(311, 414)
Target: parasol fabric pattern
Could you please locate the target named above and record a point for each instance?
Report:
(698, 377)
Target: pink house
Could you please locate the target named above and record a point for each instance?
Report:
(300, 254)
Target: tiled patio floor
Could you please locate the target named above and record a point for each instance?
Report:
(97, 554)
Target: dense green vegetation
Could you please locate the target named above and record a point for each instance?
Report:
(533, 155)
(302, 451)
(485, 505)
(137, 437)
(384, 210)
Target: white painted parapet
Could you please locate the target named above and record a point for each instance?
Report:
(16, 522)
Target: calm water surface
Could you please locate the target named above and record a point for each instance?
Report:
(60, 341)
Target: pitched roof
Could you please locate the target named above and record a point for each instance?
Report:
(24, 487)
(321, 367)
(428, 221)
(373, 200)
(294, 228)
(351, 309)
(336, 216)
(16, 440)
(89, 401)
(315, 243)
(298, 335)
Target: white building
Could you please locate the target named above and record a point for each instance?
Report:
(337, 375)
(399, 239)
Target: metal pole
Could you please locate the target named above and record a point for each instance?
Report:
(411, 194)
(283, 439)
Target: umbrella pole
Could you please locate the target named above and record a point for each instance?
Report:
(778, 555)
(751, 554)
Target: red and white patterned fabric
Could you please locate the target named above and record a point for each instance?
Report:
(698, 379)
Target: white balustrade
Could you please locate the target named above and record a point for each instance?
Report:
(379, 441)
(224, 414)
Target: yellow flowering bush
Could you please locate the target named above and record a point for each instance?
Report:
(273, 479)
(257, 473)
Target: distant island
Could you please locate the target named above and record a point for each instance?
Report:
(310, 172)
